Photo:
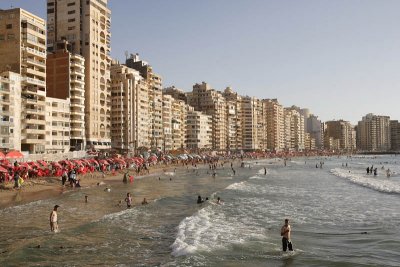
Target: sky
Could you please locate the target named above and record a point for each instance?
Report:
(340, 59)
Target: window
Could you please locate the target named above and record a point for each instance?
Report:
(71, 20)
(50, 4)
(50, 10)
(9, 26)
(71, 12)
(71, 4)
(71, 28)
(1, 37)
(10, 36)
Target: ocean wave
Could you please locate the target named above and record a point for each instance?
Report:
(237, 186)
(210, 229)
(376, 183)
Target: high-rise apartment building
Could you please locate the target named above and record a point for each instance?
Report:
(129, 110)
(10, 111)
(66, 80)
(339, 135)
(275, 124)
(395, 135)
(23, 51)
(199, 130)
(167, 109)
(205, 99)
(58, 126)
(176, 93)
(179, 124)
(294, 129)
(253, 124)
(373, 133)
(154, 85)
(86, 27)
(234, 119)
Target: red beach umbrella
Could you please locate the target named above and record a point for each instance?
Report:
(43, 163)
(3, 169)
(14, 155)
(2, 156)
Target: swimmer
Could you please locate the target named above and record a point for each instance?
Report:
(86, 199)
(107, 189)
(199, 200)
(128, 200)
(219, 201)
(144, 202)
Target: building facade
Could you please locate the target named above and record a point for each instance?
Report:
(373, 133)
(199, 130)
(339, 135)
(395, 135)
(86, 27)
(10, 111)
(58, 125)
(23, 51)
(275, 124)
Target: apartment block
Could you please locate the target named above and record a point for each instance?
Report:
(129, 109)
(167, 106)
(373, 133)
(179, 123)
(199, 130)
(339, 135)
(23, 51)
(275, 124)
(395, 135)
(233, 119)
(154, 84)
(10, 111)
(176, 93)
(253, 124)
(294, 129)
(66, 80)
(205, 99)
(313, 126)
(86, 27)
(58, 127)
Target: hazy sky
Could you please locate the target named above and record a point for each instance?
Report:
(340, 59)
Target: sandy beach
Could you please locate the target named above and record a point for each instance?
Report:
(48, 187)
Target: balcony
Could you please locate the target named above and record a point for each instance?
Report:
(33, 131)
(35, 81)
(35, 52)
(34, 121)
(35, 62)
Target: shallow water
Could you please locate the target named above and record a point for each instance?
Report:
(338, 219)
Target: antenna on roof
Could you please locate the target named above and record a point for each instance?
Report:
(126, 54)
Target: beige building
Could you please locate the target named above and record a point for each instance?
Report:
(23, 51)
(211, 102)
(167, 122)
(309, 142)
(373, 133)
(234, 119)
(57, 125)
(10, 111)
(179, 123)
(294, 129)
(253, 122)
(154, 85)
(86, 27)
(275, 124)
(176, 93)
(129, 109)
(339, 135)
(66, 80)
(199, 130)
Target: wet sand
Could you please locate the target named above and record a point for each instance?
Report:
(43, 188)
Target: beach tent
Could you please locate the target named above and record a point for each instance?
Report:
(2, 156)
(14, 155)
(43, 163)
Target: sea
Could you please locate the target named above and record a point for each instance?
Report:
(339, 215)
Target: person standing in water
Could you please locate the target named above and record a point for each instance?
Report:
(128, 200)
(285, 233)
(53, 220)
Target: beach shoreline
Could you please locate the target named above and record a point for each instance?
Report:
(45, 188)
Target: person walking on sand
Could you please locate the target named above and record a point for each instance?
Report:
(285, 233)
(53, 220)
(128, 200)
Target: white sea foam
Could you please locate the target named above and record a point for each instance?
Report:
(211, 229)
(381, 184)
